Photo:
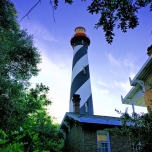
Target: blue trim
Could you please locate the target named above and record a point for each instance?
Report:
(78, 81)
(109, 145)
(79, 54)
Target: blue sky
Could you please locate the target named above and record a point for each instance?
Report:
(110, 65)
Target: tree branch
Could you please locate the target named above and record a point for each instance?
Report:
(52, 10)
(39, 1)
(31, 9)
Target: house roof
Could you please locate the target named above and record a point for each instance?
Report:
(143, 72)
(90, 119)
(136, 93)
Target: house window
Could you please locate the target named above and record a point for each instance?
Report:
(103, 141)
(135, 147)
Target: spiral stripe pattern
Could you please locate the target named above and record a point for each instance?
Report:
(81, 79)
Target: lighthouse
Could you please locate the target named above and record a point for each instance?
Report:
(80, 81)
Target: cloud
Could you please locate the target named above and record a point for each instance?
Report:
(40, 31)
(104, 84)
(102, 91)
(57, 76)
(123, 85)
(113, 72)
(129, 61)
(113, 60)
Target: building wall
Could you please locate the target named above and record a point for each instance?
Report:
(148, 93)
(84, 139)
(119, 143)
(74, 139)
(90, 138)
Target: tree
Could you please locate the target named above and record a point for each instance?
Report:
(113, 13)
(120, 13)
(18, 62)
(25, 124)
(137, 127)
(8, 16)
(36, 131)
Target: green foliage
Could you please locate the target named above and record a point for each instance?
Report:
(8, 15)
(115, 13)
(24, 113)
(25, 124)
(32, 137)
(137, 128)
(18, 62)
(32, 129)
(120, 13)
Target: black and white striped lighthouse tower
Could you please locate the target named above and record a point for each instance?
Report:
(80, 83)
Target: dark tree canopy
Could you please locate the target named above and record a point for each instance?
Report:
(8, 15)
(119, 13)
(122, 14)
(137, 129)
(24, 121)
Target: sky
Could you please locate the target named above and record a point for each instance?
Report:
(110, 65)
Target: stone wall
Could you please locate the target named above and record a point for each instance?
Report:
(90, 138)
(119, 143)
(83, 138)
(74, 139)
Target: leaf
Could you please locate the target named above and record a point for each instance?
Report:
(3, 141)
(31, 122)
(35, 137)
(3, 133)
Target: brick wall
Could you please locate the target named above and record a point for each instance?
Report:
(83, 138)
(90, 138)
(119, 143)
(148, 93)
(74, 139)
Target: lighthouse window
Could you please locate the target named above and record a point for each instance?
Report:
(86, 106)
(84, 70)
